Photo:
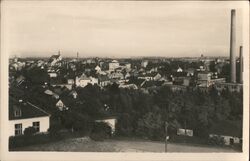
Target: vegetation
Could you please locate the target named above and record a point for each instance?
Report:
(139, 113)
(29, 131)
(100, 131)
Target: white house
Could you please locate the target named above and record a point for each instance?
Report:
(83, 80)
(150, 76)
(111, 121)
(113, 65)
(204, 79)
(185, 132)
(97, 69)
(179, 69)
(55, 59)
(93, 80)
(144, 63)
(61, 106)
(116, 75)
(52, 75)
(25, 114)
(70, 81)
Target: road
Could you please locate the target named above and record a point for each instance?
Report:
(111, 145)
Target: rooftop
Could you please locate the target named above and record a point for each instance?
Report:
(28, 110)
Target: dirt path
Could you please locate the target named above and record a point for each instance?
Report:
(87, 145)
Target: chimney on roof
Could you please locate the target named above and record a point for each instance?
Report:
(241, 65)
(233, 47)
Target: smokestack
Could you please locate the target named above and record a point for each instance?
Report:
(241, 65)
(233, 47)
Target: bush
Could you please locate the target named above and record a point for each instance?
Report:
(216, 140)
(29, 131)
(100, 131)
(22, 140)
(54, 132)
(151, 126)
(124, 126)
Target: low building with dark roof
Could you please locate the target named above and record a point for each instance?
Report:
(149, 84)
(231, 87)
(229, 131)
(111, 121)
(138, 82)
(23, 114)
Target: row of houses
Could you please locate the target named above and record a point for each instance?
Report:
(23, 114)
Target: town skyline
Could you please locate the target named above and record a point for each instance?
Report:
(116, 29)
(72, 56)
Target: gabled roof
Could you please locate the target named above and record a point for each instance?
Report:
(190, 70)
(28, 110)
(179, 74)
(102, 78)
(84, 77)
(114, 61)
(137, 82)
(55, 56)
(20, 79)
(152, 83)
(48, 92)
(152, 74)
(58, 90)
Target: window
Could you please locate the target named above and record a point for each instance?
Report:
(18, 129)
(17, 112)
(36, 126)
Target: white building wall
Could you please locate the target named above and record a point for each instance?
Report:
(110, 122)
(94, 80)
(226, 138)
(44, 124)
(113, 66)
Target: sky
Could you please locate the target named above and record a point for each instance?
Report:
(119, 28)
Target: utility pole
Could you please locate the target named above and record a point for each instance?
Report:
(166, 139)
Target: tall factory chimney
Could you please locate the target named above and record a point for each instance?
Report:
(77, 56)
(233, 47)
(241, 65)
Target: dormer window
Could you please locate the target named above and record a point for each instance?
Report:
(17, 112)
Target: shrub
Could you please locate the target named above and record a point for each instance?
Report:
(22, 140)
(124, 126)
(151, 126)
(100, 131)
(216, 140)
(54, 131)
(29, 131)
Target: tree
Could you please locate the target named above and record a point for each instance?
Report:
(37, 76)
(100, 131)
(125, 124)
(151, 125)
